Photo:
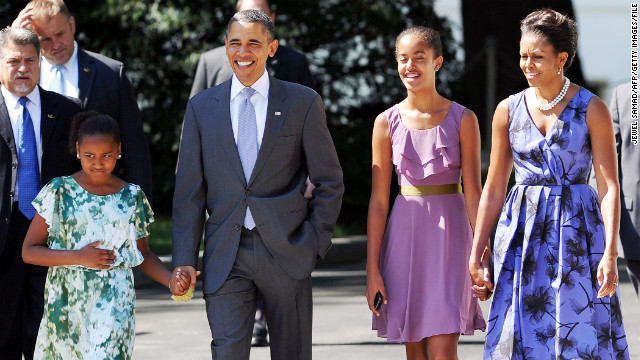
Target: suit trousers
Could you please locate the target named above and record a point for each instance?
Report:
(633, 269)
(288, 304)
(22, 289)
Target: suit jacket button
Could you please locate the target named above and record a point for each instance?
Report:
(237, 227)
(248, 193)
(6, 220)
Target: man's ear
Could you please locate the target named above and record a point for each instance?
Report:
(273, 47)
(72, 24)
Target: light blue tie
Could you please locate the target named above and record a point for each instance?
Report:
(247, 143)
(28, 169)
(57, 81)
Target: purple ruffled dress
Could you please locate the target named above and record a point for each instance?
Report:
(427, 241)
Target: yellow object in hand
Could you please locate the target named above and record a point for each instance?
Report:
(186, 297)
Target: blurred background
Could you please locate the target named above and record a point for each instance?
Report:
(350, 47)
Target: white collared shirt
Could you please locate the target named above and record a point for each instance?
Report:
(260, 101)
(15, 115)
(69, 72)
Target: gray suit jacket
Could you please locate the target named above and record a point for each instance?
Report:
(209, 177)
(105, 88)
(629, 170)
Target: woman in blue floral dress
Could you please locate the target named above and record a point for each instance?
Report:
(554, 254)
(91, 228)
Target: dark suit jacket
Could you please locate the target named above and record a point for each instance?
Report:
(57, 111)
(209, 177)
(287, 64)
(105, 88)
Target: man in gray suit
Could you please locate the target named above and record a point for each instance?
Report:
(287, 64)
(626, 132)
(247, 148)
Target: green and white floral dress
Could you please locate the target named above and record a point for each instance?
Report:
(89, 313)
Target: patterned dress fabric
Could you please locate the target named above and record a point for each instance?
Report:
(548, 244)
(427, 241)
(89, 313)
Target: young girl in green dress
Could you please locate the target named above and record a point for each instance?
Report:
(91, 228)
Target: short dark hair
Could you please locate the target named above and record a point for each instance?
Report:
(558, 29)
(18, 36)
(254, 16)
(89, 123)
(429, 36)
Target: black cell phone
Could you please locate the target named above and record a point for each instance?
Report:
(377, 302)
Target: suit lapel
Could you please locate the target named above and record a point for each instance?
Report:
(222, 126)
(48, 104)
(6, 130)
(276, 113)
(86, 75)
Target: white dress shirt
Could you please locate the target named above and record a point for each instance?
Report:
(69, 72)
(15, 115)
(260, 101)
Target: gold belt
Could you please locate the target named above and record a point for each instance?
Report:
(409, 190)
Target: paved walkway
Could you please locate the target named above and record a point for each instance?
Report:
(341, 329)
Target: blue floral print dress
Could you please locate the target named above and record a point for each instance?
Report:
(89, 313)
(548, 244)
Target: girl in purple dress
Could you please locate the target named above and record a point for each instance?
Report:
(555, 251)
(417, 259)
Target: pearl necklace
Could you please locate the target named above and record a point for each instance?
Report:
(558, 98)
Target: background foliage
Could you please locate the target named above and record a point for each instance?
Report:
(350, 47)
(349, 44)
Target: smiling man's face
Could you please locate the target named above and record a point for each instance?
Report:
(248, 48)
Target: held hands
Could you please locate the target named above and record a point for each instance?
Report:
(481, 276)
(24, 19)
(607, 276)
(375, 283)
(92, 257)
(183, 279)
